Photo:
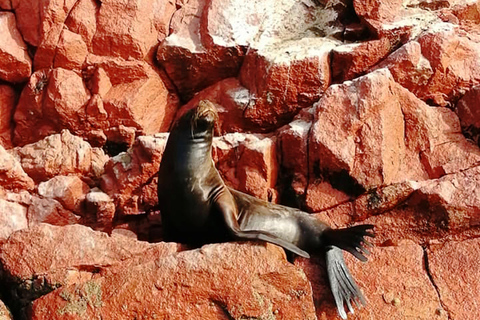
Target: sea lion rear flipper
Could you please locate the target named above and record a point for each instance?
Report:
(351, 239)
(344, 288)
(228, 210)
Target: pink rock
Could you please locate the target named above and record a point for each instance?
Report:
(70, 191)
(408, 67)
(44, 257)
(453, 267)
(13, 217)
(71, 51)
(48, 210)
(455, 60)
(137, 35)
(59, 154)
(12, 175)
(15, 64)
(378, 139)
(248, 163)
(127, 173)
(196, 284)
(352, 60)
(378, 11)
(7, 105)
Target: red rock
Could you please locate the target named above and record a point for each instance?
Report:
(454, 269)
(408, 67)
(380, 200)
(248, 163)
(59, 154)
(321, 195)
(4, 312)
(230, 98)
(101, 206)
(47, 210)
(391, 117)
(15, 64)
(295, 75)
(190, 65)
(36, 18)
(150, 106)
(137, 35)
(71, 51)
(13, 217)
(5, 5)
(51, 101)
(45, 257)
(467, 12)
(293, 149)
(7, 105)
(352, 60)
(378, 11)
(70, 191)
(456, 196)
(467, 109)
(196, 284)
(403, 287)
(455, 60)
(127, 173)
(12, 176)
(82, 20)
(142, 103)
(65, 98)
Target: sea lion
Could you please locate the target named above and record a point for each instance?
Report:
(197, 208)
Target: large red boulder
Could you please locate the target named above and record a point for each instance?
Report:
(214, 282)
(15, 64)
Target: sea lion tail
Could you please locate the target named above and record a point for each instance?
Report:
(343, 287)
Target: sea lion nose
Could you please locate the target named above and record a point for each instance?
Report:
(206, 110)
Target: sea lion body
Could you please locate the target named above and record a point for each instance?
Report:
(197, 208)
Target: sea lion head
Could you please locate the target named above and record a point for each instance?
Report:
(203, 118)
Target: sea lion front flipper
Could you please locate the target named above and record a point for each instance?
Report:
(227, 207)
(344, 288)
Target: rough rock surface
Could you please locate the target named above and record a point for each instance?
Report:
(454, 266)
(357, 111)
(191, 284)
(12, 175)
(15, 64)
(7, 105)
(81, 254)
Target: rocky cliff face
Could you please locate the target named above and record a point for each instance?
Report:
(355, 111)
